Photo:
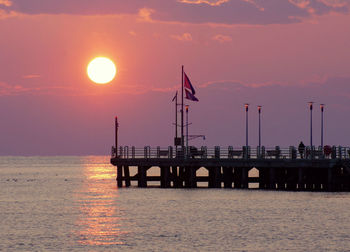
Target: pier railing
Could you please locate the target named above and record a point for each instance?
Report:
(230, 152)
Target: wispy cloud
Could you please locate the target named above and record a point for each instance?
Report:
(186, 37)
(335, 3)
(255, 4)
(208, 2)
(222, 38)
(31, 76)
(132, 33)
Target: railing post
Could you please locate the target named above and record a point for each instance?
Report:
(121, 151)
(217, 152)
(113, 152)
(158, 152)
(307, 152)
(133, 151)
(320, 152)
(204, 151)
(292, 152)
(126, 151)
(230, 152)
(334, 152)
(278, 152)
(246, 152)
(170, 152)
(263, 152)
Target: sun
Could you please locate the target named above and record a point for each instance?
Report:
(101, 70)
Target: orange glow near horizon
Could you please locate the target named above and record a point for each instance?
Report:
(101, 70)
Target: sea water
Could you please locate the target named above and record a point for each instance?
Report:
(73, 204)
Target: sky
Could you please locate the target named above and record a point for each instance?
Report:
(279, 54)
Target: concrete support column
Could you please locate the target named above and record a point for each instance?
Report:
(142, 176)
(181, 176)
(120, 176)
(262, 178)
(174, 176)
(272, 178)
(214, 177)
(228, 177)
(244, 177)
(127, 175)
(190, 177)
(330, 184)
(291, 179)
(301, 183)
(309, 186)
(237, 177)
(164, 177)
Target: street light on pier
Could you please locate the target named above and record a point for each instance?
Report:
(259, 111)
(322, 109)
(246, 124)
(310, 106)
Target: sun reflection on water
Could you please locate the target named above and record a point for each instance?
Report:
(99, 221)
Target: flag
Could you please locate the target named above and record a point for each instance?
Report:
(190, 96)
(175, 97)
(187, 84)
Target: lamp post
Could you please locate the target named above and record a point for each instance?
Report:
(322, 109)
(310, 106)
(116, 136)
(259, 111)
(246, 124)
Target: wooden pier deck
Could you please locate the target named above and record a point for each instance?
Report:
(278, 169)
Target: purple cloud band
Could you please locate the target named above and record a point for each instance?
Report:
(189, 11)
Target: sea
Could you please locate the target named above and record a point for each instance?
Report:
(72, 203)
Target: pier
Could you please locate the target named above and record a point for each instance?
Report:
(277, 168)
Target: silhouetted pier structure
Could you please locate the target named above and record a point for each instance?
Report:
(278, 168)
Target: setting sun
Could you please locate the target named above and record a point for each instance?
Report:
(101, 70)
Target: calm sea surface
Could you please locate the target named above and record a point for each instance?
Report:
(72, 203)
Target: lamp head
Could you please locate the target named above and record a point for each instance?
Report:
(310, 104)
(246, 105)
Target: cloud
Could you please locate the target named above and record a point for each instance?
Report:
(145, 14)
(31, 76)
(7, 89)
(222, 38)
(132, 33)
(226, 12)
(211, 3)
(6, 3)
(186, 37)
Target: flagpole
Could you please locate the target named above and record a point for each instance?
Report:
(182, 108)
(175, 119)
(187, 130)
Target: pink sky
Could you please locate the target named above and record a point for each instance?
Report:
(276, 53)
